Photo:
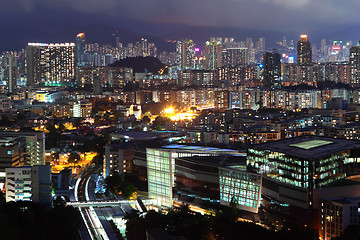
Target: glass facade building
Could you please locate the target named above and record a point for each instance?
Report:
(241, 187)
(161, 168)
(303, 164)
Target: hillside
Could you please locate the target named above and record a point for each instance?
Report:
(139, 64)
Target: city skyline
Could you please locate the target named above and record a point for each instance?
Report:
(32, 20)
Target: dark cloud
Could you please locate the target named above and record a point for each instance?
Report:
(282, 15)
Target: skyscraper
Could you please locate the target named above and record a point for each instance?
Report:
(235, 56)
(186, 53)
(9, 72)
(272, 70)
(144, 47)
(355, 65)
(304, 52)
(80, 41)
(213, 52)
(50, 64)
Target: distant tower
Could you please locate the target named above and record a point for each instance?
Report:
(80, 41)
(186, 53)
(213, 50)
(304, 52)
(272, 70)
(144, 47)
(235, 56)
(10, 72)
(355, 65)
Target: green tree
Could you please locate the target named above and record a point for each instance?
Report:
(73, 158)
(145, 119)
(116, 184)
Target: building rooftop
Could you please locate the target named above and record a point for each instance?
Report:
(217, 161)
(309, 147)
(186, 148)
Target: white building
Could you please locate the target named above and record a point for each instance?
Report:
(161, 168)
(29, 183)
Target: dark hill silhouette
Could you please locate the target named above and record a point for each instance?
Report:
(140, 64)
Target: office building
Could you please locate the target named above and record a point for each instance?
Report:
(186, 53)
(50, 64)
(272, 70)
(161, 168)
(293, 168)
(80, 42)
(197, 177)
(240, 187)
(304, 52)
(29, 183)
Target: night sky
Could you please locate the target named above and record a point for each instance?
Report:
(281, 15)
(23, 21)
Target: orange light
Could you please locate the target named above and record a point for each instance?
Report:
(80, 35)
(303, 36)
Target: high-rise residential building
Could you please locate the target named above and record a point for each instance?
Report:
(8, 72)
(304, 52)
(50, 64)
(213, 52)
(80, 42)
(355, 65)
(272, 70)
(13, 153)
(186, 53)
(235, 56)
(260, 45)
(204, 78)
(82, 109)
(29, 183)
(35, 146)
(118, 158)
(145, 47)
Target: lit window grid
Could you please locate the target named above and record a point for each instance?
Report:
(161, 170)
(160, 176)
(244, 187)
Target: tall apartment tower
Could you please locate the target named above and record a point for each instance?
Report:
(186, 53)
(13, 154)
(30, 183)
(272, 70)
(304, 52)
(235, 56)
(9, 72)
(80, 41)
(145, 47)
(50, 64)
(213, 51)
(355, 65)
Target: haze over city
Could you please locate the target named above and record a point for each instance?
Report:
(191, 120)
